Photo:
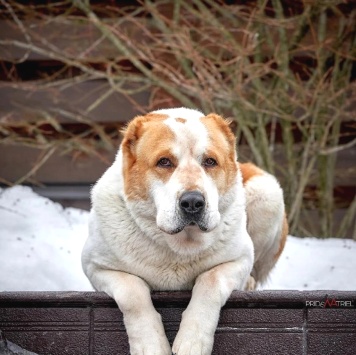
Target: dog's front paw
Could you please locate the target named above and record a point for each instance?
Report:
(192, 342)
(146, 335)
(152, 346)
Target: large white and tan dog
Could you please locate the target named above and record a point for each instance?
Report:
(176, 211)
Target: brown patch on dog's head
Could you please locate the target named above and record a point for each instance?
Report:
(181, 120)
(222, 149)
(146, 139)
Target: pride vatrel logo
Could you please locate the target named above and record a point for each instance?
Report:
(331, 303)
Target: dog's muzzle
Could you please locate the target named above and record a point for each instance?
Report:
(192, 205)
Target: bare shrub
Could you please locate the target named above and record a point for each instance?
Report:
(281, 70)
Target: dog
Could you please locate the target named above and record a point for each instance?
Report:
(176, 211)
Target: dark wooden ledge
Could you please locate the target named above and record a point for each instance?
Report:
(262, 322)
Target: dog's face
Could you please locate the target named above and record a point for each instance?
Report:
(182, 162)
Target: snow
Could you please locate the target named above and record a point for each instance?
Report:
(315, 264)
(41, 242)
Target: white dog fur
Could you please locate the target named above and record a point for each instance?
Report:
(139, 241)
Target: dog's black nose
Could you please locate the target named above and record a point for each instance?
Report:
(192, 202)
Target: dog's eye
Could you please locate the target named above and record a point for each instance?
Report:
(209, 162)
(165, 163)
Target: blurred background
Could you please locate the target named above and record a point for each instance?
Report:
(72, 73)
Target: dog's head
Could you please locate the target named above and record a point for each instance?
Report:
(183, 163)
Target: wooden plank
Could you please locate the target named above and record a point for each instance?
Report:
(17, 161)
(61, 129)
(96, 101)
(63, 36)
(93, 100)
(79, 38)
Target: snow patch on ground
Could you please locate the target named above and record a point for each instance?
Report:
(41, 243)
(315, 264)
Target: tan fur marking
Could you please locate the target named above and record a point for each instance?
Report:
(249, 170)
(146, 138)
(283, 240)
(181, 120)
(222, 149)
(189, 177)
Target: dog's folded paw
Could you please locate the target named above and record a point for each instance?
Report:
(192, 345)
(150, 348)
(153, 345)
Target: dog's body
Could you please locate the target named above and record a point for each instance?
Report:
(176, 211)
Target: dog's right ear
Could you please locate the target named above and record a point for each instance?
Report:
(131, 134)
(135, 129)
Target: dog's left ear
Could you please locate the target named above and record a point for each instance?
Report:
(227, 126)
(232, 125)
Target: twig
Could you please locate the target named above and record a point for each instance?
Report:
(40, 163)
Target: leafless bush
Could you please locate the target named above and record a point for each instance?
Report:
(282, 72)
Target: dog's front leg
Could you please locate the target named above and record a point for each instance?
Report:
(143, 323)
(210, 292)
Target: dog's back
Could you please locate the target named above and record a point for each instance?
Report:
(266, 219)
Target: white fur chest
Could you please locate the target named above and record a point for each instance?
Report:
(131, 251)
